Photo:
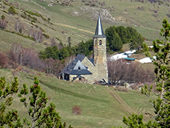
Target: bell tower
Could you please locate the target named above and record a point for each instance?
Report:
(99, 52)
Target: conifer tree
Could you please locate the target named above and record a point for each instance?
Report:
(9, 118)
(41, 116)
(162, 70)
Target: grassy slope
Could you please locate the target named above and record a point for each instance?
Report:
(143, 21)
(99, 108)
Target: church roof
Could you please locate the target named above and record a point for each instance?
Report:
(76, 67)
(99, 30)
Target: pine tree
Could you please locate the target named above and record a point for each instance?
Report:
(162, 70)
(41, 116)
(9, 118)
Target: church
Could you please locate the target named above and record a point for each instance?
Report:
(90, 70)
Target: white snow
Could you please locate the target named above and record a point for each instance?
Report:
(146, 60)
(130, 52)
(118, 56)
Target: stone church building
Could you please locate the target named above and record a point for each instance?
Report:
(90, 70)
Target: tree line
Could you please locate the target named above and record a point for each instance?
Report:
(117, 36)
(61, 52)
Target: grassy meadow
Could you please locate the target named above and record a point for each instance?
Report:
(81, 27)
(98, 107)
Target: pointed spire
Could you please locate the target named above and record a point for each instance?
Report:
(99, 30)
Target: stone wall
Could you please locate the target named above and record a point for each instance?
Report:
(100, 58)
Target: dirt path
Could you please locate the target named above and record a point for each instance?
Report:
(68, 26)
(121, 102)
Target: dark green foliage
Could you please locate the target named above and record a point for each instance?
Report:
(117, 36)
(162, 70)
(136, 121)
(123, 34)
(135, 39)
(63, 53)
(29, 17)
(5, 11)
(2, 17)
(85, 48)
(136, 42)
(36, 14)
(12, 10)
(50, 52)
(41, 116)
(33, 13)
(46, 36)
(9, 118)
(113, 40)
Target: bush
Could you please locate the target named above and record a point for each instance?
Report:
(121, 88)
(12, 10)
(46, 36)
(76, 110)
(2, 17)
(3, 24)
(3, 60)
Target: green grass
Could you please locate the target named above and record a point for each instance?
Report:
(7, 39)
(99, 108)
(143, 21)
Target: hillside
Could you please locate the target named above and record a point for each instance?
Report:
(99, 107)
(60, 19)
(41, 23)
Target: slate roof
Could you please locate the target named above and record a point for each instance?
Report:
(76, 67)
(99, 30)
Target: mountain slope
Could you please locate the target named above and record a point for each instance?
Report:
(78, 19)
(98, 107)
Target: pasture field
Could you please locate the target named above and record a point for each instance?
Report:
(98, 107)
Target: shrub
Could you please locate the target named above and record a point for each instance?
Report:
(3, 60)
(46, 36)
(121, 88)
(3, 24)
(12, 10)
(76, 110)
(2, 17)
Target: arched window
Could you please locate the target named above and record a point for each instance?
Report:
(100, 42)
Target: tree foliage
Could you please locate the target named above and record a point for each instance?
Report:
(136, 42)
(117, 36)
(9, 118)
(162, 70)
(12, 10)
(41, 116)
(54, 52)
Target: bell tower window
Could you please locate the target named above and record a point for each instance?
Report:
(100, 42)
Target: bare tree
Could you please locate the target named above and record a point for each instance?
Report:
(38, 36)
(16, 53)
(121, 71)
(3, 60)
(19, 27)
(30, 32)
(3, 24)
(69, 59)
(30, 58)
